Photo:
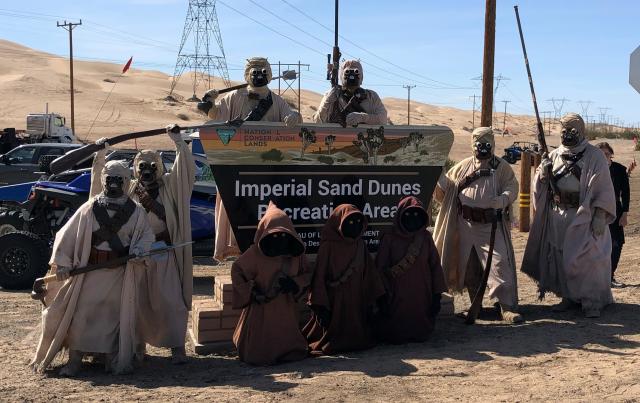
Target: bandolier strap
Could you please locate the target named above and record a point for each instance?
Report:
(352, 104)
(148, 198)
(109, 226)
(261, 109)
(357, 261)
(274, 290)
(569, 167)
(413, 251)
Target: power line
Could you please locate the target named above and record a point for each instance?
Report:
(452, 86)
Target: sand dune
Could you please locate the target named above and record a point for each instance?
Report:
(30, 78)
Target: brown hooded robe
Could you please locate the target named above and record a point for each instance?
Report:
(268, 333)
(410, 288)
(347, 284)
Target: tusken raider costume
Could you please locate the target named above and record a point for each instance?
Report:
(95, 312)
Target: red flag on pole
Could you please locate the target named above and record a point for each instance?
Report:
(126, 66)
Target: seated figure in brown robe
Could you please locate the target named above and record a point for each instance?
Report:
(414, 280)
(345, 287)
(267, 281)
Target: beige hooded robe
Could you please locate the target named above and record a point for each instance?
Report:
(238, 104)
(577, 266)
(166, 287)
(372, 104)
(456, 237)
(93, 312)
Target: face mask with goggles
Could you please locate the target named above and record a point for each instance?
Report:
(147, 171)
(352, 77)
(114, 186)
(570, 136)
(259, 77)
(483, 151)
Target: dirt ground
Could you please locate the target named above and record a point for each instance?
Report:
(550, 357)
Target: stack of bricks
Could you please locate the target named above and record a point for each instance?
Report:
(214, 320)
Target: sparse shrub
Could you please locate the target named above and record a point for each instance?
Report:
(272, 155)
(325, 159)
(389, 158)
(416, 161)
(108, 80)
(424, 152)
(341, 160)
(183, 116)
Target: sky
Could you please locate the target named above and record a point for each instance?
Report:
(578, 49)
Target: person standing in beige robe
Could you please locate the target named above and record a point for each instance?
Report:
(241, 104)
(569, 246)
(337, 106)
(463, 230)
(166, 287)
(95, 312)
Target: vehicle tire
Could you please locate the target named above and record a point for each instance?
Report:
(23, 258)
(11, 221)
(509, 158)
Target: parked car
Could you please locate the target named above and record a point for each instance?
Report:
(513, 153)
(24, 163)
(33, 212)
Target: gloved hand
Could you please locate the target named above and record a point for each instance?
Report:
(598, 222)
(435, 305)
(62, 273)
(174, 132)
(287, 285)
(139, 259)
(354, 118)
(545, 168)
(292, 119)
(210, 96)
(323, 315)
(104, 142)
(500, 202)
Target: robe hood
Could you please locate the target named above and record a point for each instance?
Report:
(405, 204)
(275, 220)
(331, 230)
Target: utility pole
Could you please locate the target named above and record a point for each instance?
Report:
(473, 119)
(504, 119)
(69, 26)
(289, 84)
(408, 87)
(487, 63)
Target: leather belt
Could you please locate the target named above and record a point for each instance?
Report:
(479, 215)
(567, 199)
(164, 236)
(101, 256)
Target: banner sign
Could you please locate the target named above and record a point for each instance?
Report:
(309, 170)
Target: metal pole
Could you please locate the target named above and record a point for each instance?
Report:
(279, 74)
(299, 86)
(336, 50)
(525, 192)
(487, 65)
(504, 119)
(69, 27)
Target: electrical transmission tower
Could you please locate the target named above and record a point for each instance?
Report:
(558, 104)
(585, 107)
(200, 26)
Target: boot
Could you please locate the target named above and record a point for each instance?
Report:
(509, 315)
(564, 305)
(178, 356)
(73, 365)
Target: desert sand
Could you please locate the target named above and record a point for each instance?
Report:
(559, 357)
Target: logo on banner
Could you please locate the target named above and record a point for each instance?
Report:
(226, 135)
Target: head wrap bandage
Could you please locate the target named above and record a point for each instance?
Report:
(350, 65)
(573, 121)
(257, 63)
(116, 168)
(148, 156)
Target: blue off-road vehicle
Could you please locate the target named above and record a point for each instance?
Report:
(513, 153)
(31, 213)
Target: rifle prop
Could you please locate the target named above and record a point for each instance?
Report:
(38, 291)
(68, 160)
(205, 105)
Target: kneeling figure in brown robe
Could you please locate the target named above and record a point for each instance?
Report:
(267, 281)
